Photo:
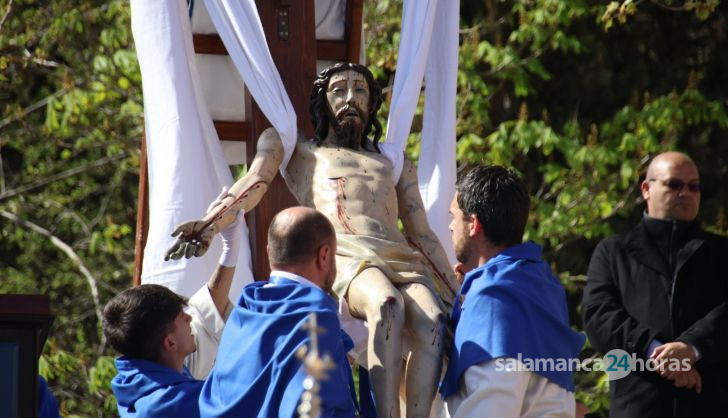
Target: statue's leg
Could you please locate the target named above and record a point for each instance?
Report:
(372, 296)
(425, 323)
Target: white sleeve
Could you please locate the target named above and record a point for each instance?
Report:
(487, 390)
(356, 328)
(505, 388)
(207, 326)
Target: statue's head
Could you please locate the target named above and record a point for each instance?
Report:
(346, 98)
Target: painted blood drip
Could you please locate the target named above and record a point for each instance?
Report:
(438, 273)
(340, 211)
(388, 317)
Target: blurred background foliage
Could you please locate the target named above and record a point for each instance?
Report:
(70, 127)
(575, 95)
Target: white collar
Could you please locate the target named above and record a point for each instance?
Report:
(292, 276)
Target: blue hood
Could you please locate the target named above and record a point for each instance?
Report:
(513, 306)
(148, 389)
(257, 373)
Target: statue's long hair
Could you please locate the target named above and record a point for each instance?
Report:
(321, 116)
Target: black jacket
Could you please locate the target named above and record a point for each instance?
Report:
(667, 282)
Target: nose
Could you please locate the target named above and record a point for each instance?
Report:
(349, 96)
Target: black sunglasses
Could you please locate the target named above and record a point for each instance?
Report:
(677, 185)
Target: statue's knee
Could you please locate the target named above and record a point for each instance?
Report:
(388, 312)
(429, 325)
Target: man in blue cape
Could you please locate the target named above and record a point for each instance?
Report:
(47, 403)
(165, 349)
(513, 344)
(257, 373)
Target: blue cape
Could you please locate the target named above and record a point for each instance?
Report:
(512, 306)
(148, 389)
(257, 373)
(47, 404)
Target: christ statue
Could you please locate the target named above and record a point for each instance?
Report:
(400, 283)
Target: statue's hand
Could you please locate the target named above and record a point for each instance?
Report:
(192, 240)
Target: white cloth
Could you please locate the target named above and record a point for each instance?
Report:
(436, 169)
(355, 328)
(207, 326)
(487, 391)
(330, 19)
(428, 48)
(239, 26)
(185, 161)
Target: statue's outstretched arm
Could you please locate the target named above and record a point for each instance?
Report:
(420, 235)
(194, 236)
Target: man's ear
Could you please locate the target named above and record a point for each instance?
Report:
(645, 189)
(475, 226)
(322, 256)
(169, 343)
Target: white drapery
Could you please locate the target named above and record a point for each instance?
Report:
(428, 47)
(239, 26)
(185, 161)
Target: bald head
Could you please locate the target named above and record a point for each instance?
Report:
(666, 160)
(672, 187)
(296, 234)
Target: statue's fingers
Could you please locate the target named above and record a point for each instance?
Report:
(201, 249)
(169, 255)
(190, 250)
(175, 253)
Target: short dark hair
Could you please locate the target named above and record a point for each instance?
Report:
(137, 320)
(499, 199)
(291, 243)
(320, 114)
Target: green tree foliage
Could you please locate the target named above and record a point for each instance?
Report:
(577, 96)
(70, 126)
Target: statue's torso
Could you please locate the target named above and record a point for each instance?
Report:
(353, 188)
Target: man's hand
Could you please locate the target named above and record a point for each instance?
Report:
(581, 410)
(191, 241)
(689, 380)
(460, 271)
(670, 353)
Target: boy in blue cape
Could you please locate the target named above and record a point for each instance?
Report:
(257, 373)
(511, 311)
(164, 348)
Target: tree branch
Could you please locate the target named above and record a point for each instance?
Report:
(7, 13)
(668, 7)
(58, 176)
(32, 108)
(92, 282)
(2, 172)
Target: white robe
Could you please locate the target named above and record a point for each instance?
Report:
(207, 326)
(488, 391)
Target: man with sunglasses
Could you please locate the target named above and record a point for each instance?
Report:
(660, 292)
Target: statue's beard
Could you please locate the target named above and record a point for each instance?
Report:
(348, 129)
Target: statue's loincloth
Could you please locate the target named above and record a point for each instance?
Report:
(401, 263)
(398, 261)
